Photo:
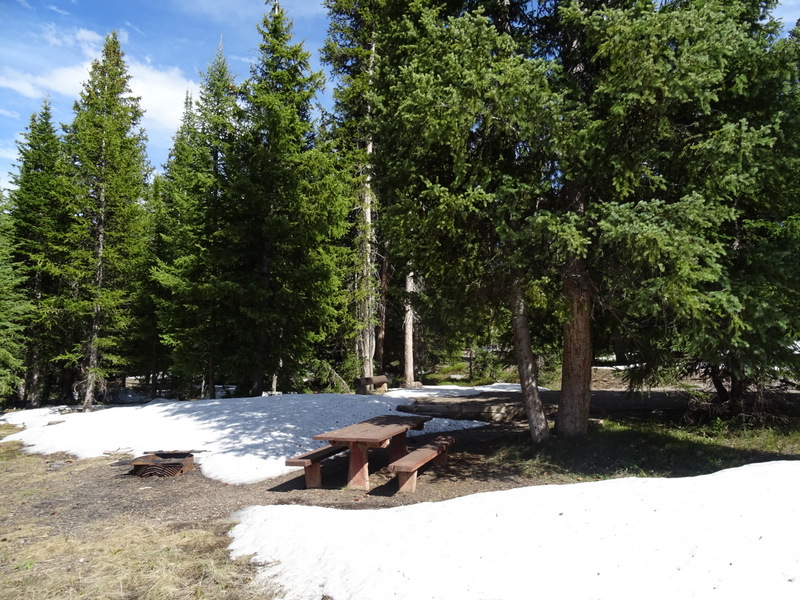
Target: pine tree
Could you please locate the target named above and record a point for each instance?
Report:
(656, 165)
(195, 313)
(147, 354)
(108, 169)
(41, 217)
(13, 310)
(283, 269)
(351, 52)
(464, 151)
(749, 159)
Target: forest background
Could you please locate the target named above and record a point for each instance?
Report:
(558, 180)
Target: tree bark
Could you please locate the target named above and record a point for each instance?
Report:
(719, 384)
(408, 327)
(366, 338)
(91, 376)
(33, 377)
(380, 333)
(572, 419)
(526, 364)
(368, 253)
(739, 387)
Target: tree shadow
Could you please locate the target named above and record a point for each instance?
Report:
(642, 449)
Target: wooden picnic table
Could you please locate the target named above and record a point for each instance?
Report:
(378, 432)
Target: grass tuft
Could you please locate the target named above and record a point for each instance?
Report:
(119, 560)
(635, 448)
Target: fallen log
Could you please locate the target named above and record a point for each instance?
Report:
(494, 412)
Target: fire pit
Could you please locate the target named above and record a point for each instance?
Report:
(163, 463)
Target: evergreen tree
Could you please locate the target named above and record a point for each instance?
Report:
(750, 339)
(282, 274)
(149, 356)
(660, 156)
(195, 315)
(41, 217)
(351, 52)
(464, 153)
(108, 170)
(13, 309)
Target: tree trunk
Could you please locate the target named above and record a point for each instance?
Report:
(719, 384)
(33, 377)
(572, 419)
(91, 375)
(209, 387)
(408, 326)
(739, 387)
(92, 361)
(380, 333)
(368, 253)
(366, 284)
(526, 364)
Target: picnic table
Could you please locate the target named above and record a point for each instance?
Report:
(378, 432)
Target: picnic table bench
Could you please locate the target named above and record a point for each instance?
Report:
(408, 466)
(310, 461)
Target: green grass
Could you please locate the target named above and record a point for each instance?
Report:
(648, 449)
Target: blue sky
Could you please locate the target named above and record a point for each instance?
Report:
(46, 47)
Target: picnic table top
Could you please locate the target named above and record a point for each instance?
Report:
(375, 430)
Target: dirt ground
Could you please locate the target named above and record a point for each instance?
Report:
(68, 494)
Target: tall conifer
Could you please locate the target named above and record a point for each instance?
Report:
(13, 309)
(351, 51)
(41, 216)
(283, 272)
(196, 197)
(108, 169)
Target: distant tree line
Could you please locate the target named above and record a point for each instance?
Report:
(567, 178)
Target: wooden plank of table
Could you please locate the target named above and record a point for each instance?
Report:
(374, 431)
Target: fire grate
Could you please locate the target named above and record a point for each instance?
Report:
(163, 464)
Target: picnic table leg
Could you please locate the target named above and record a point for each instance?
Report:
(313, 476)
(398, 447)
(358, 470)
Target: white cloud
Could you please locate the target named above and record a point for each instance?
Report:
(162, 93)
(88, 43)
(9, 113)
(130, 25)
(24, 4)
(22, 83)
(57, 10)
(63, 80)
(8, 153)
(66, 81)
